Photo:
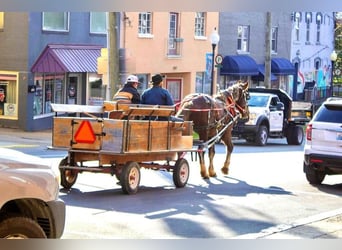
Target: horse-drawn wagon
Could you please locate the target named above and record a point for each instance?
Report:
(115, 139)
(120, 138)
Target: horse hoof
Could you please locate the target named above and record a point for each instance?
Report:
(213, 175)
(225, 171)
(206, 177)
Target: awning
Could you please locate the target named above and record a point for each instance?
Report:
(261, 75)
(61, 58)
(242, 65)
(282, 66)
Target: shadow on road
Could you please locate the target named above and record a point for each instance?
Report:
(162, 202)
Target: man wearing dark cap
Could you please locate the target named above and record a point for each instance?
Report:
(129, 93)
(157, 95)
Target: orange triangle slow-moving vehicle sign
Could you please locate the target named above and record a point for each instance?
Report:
(85, 133)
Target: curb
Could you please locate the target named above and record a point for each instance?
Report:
(314, 220)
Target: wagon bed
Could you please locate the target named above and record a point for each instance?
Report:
(120, 139)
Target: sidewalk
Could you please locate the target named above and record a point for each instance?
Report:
(18, 136)
(322, 226)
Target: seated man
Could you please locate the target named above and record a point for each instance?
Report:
(129, 93)
(157, 95)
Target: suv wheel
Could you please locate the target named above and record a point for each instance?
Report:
(261, 136)
(314, 176)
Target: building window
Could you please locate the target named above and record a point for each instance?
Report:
(308, 20)
(274, 42)
(200, 24)
(143, 79)
(297, 19)
(96, 90)
(202, 86)
(145, 23)
(318, 63)
(1, 21)
(174, 47)
(243, 38)
(56, 21)
(98, 22)
(318, 32)
(49, 89)
(8, 96)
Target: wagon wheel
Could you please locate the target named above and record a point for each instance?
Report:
(130, 177)
(181, 173)
(68, 176)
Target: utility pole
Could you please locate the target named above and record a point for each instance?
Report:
(113, 56)
(268, 37)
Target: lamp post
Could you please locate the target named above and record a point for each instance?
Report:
(333, 58)
(214, 39)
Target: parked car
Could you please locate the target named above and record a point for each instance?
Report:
(323, 147)
(29, 197)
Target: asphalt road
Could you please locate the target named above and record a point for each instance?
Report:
(266, 191)
(265, 188)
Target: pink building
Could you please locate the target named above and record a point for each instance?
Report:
(175, 44)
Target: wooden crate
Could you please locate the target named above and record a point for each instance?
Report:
(65, 131)
(122, 136)
(114, 135)
(61, 132)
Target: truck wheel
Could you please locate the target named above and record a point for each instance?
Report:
(313, 176)
(68, 176)
(130, 178)
(295, 135)
(261, 136)
(20, 228)
(181, 173)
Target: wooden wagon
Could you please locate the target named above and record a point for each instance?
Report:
(119, 139)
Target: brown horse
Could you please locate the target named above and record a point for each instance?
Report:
(214, 118)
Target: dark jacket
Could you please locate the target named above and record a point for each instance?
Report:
(157, 96)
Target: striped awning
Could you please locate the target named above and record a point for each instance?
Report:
(62, 58)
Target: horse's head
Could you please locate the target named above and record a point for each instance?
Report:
(239, 93)
(241, 99)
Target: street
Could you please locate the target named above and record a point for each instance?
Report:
(266, 187)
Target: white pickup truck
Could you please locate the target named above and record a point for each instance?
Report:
(29, 198)
(272, 115)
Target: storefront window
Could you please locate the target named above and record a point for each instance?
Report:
(8, 98)
(49, 89)
(96, 90)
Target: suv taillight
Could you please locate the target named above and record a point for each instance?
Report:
(309, 132)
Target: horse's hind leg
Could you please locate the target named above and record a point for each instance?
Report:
(212, 172)
(204, 173)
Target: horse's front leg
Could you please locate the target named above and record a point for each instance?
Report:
(227, 139)
(212, 172)
(204, 173)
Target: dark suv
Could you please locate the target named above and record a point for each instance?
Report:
(323, 148)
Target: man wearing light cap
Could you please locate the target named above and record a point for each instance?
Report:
(129, 93)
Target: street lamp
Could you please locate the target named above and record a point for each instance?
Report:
(214, 39)
(333, 58)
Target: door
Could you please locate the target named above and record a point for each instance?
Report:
(173, 34)
(174, 86)
(276, 116)
(73, 89)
